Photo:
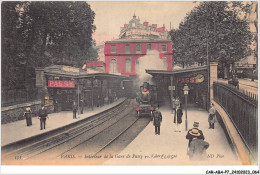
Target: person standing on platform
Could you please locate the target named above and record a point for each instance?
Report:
(43, 115)
(212, 116)
(81, 106)
(98, 100)
(190, 136)
(74, 110)
(157, 119)
(177, 102)
(179, 119)
(28, 116)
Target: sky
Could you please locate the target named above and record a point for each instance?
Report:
(111, 15)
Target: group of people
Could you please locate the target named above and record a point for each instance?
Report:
(42, 115)
(197, 146)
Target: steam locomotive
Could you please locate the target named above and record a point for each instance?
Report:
(147, 100)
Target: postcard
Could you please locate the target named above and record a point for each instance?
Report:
(130, 83)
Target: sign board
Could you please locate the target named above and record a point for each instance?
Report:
(171, 88)
(185, 80)
(61, 84)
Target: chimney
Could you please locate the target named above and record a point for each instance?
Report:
(154, 26)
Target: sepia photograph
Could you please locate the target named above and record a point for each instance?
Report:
(130, 83)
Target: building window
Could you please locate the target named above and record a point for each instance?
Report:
(127, 49)
(137, 66)
(164, 60)
(163, 47)
(128, 65)
(149, 47)
(138, 48)
(113, 68)
(113, 49)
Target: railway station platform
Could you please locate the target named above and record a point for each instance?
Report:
(16, 131)
(170, 147)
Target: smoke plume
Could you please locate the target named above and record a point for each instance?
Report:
(150, 61)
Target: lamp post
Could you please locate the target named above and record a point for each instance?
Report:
(186, 92)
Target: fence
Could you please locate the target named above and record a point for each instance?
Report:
(241, 106)
(16, 96)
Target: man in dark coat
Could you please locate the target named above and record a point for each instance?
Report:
(43, 115)
(190, 136)
(157, 119)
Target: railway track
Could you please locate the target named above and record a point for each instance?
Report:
(62, 138)
(110, 141)
(99, 142)
(121, 142)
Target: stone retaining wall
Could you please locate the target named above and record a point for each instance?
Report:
(13, 113)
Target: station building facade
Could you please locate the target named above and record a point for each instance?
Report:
(122, 56)
(136, 39)
(136, 30)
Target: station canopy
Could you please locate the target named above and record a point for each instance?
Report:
(175, 72)
(74, 72)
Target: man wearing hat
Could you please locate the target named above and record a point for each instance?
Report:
(212, 116)
(157, 119)
(197, 148)
(42, 116)
(190, 135)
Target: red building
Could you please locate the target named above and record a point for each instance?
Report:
(122, 55)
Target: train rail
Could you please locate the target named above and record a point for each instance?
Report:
(98, 143)
(61, 138)
(121, 142)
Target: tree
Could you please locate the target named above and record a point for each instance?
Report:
(44, 33)
(61, 32)
(12, 45)
(212, 31)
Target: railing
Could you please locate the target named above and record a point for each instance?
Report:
(241, 106)
(16, 96)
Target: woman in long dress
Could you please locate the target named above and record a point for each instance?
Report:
(179, 118)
